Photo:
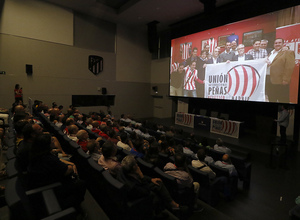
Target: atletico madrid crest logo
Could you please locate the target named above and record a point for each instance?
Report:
(243, 81)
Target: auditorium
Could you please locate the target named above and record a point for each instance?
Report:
(110, 66)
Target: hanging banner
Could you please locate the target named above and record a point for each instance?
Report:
(238, 80)
(224, 127)
(184, 119)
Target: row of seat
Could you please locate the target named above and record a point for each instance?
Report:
(39, 203)
(240, 162)
(109, 193)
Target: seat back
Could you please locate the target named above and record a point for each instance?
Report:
(146, 168)
(199, 176)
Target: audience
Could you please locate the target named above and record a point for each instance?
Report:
(45, 168)
(108, 159)
(201, 164)
(140, 186)
(125, 143)
(94, 150)
(219, 146)
(226, 163)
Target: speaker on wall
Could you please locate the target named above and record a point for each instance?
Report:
(153, 37)
(29, 69)
(104, 91)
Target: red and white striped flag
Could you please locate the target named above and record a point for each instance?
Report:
(185, 50)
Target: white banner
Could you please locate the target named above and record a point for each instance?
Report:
(224, 127)
(184, 119)
(237, 80)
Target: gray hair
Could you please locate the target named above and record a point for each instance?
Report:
(128, 163)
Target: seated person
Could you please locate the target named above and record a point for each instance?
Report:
(95, 128)
(88, 123)
(226, 163)
(108, 159)
(125, 142)
(104, 131)
(138, 148)
(140, 186)
(73, 129)
(219, 146)
(45, 168)
(180, 172)
(201, 164)
(69, 121)
(29, 132)
(113, 137)
(82, 137)
(94, 150)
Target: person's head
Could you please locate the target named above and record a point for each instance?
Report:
(19, 125)
(219, 142)
(216, 53)
(241, 49)
(73, 129)
(194, 52)
(178, 149)
(70, 121)
(181, 68)
(227, 46)
(95, 124)
(206, 48)
(139, 145)
(278, 44)
(19, 108)
(180, 160)
(203, 54)
(109, 149)
(233, 44)
(17, 86)
(89, 121)
(263, 44)
(226, 158)
(93, 146)
(41, 146)
(256, 45)
(193, 66)
(82, 135)
(201, 154)
(129, 164)
(123, 137)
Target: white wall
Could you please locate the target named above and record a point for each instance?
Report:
(27, 18)
(61, 70)
(162, 107)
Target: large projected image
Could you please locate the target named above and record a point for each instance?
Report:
(252, 60)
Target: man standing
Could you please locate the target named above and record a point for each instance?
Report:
(215, 57)
(177, 81)
(234, 47)
(227, 55)
(281, 65)
(264, 45)
(192, 58)
(241, 54)
(191, 75)
(201, 73)
(283, 122)
(257, 52)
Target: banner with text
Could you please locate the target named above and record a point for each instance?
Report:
(184, 119)
(237, 80)
(224, 127)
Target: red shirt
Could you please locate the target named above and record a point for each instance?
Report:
(83, 145)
